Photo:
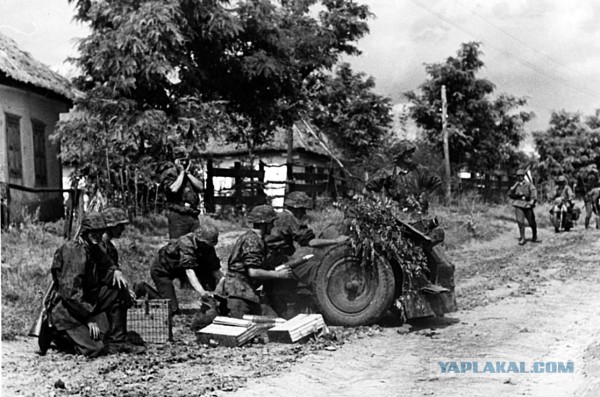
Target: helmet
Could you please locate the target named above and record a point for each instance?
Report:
(262, 214)
(92, 220)
(298, 200)
(207, 233)
(402, 147)
(114, 216)
(520, 171)
(561, 179)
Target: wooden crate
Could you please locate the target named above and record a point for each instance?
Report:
(151, 320)
(297, 328)
(227, 335)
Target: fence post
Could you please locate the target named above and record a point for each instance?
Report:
(260, 191)
(209, 191)
(5, 195)
(310, 179)
(238, 183)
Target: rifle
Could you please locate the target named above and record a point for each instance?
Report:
(36, 327)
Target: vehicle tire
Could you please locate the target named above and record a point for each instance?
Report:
(350, 293)
(555, 218)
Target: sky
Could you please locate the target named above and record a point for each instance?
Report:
(545, 50)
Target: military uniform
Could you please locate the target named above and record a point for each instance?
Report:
(287, 231)
(80, 295)
(409, 185)
(406, 185)
(592, 206)
(237, 286)
(523, 196)
(172, 261)
(182, 206)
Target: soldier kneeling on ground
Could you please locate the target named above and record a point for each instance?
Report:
(247, 268)
(83, 309)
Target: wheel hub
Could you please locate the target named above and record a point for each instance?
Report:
(351, 285)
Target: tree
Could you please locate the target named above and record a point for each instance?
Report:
(346, 109)
(484, 130)
(159, 75)
(569, 145)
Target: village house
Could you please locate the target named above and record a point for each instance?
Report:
(32, 97)
(311, 154)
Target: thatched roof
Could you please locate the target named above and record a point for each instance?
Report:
(21, 67)
(303, 142)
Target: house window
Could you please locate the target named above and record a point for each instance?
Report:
(13, 140)
(39, 153)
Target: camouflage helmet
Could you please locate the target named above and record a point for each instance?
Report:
(520, 172)
(207, 233)
(262, 214)
(561, 179)
(114, 216)
(91, 221)
(402, 147)
(298, 200)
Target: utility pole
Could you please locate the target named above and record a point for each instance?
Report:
(446, 145)
(290, 160)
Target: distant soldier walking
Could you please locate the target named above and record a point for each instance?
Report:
(523, 196)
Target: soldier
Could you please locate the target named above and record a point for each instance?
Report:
(79, 307)
(247, 267)
(410, 184)
(289, 228)
(523, 196)
(563, 202)
(591, 182)
(115, 219)
(191, 257)
(592, 206)
(407, 183)
(182, 190)
(110, 273)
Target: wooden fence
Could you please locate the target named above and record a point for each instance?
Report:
(249, 185)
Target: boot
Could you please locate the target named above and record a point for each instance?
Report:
(534, 238)
(522, 235)
(118, 325)
(587, 223)
(118, 342)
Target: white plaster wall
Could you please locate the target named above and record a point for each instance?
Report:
(29, 106)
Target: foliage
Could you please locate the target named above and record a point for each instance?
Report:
(484, 131)
(569, 145)
(347, 110)
(159, 77)
(376, 232)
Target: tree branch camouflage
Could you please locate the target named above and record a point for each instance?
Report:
(375, 232)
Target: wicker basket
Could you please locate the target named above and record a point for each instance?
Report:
(151, 320)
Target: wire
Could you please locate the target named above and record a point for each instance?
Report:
(548, 57)
(527, 64)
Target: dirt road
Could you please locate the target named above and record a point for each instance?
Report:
(544, 305)
(531, 303)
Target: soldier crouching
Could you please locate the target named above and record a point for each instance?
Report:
(247, 268)
(82, 304)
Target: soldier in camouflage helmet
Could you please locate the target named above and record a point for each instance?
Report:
(115, 219)
(191, 258)
(407, 183)
(80, 305)
(247, 268)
